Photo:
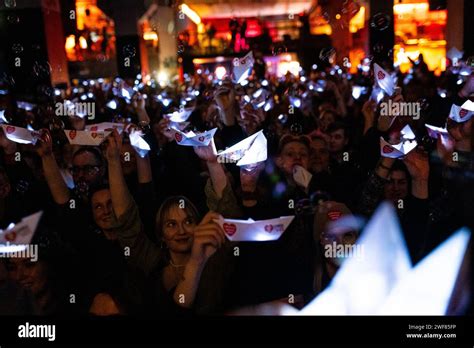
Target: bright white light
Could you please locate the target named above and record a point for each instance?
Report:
(57, 92)
(90, 95)
(199, 71)
(85, 83)
(303, 79)
(112, 104)
(356, 92)
(264, 83)
(196, 93)
(83, 97)
(220, 72)
(459, 81)
(314, 66)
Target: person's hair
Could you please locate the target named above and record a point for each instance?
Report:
(96, 188)
(169, 203)
(401, 167)
(336, 126)
(92, 150)
(290, 138)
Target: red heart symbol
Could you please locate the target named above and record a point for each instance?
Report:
(462, 112)
(94, 135)
(269, 228)
(230, 229)
(11, 236)
(94, 129)
(10, 129)
(380, 75)
(178, 137)
(201, 139)
(387, 149)
(72, 134)
(334, 215)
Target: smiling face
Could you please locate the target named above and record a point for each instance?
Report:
(293, 153)
(29, 275)
(178, 229)
(102, 210)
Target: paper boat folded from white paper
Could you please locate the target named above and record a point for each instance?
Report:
(193, 139)
(407, 144)
(85, 137)
(19, 234)
(255, 231)
(20, 135)
(252, 149)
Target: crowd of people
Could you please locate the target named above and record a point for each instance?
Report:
(127, 233)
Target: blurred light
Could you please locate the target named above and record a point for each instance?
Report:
(314, 66)
(459, 81)
(192, 15)
(90, 95)
(356, 92)
(150, 36)
(338, 16)
(82, 42)
(70, 42)
(264, 83)
(303, 79)
(199, 71)
(112, 104)
(220, 72)
(57, 92)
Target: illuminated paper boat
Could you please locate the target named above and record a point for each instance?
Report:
(462, 113)
(383, 282)
(438, 132)
(255, 231)
(179, 116)
(193, 139)
(87, 138)
(427, 288)
(20, 135)
(362, 284)
(19, 234)
(242, 68)
(140, 146)
(105, 126)
(407, 144)
(251, 150)
(384, 80)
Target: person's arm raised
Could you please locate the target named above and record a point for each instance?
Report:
(216, 171)
(121, 197)
(208, 238)
(53, 176)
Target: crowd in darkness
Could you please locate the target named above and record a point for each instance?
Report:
(123, 234)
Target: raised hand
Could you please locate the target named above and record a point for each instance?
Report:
(418, 165)
(208, 237)
(114, 145)
(44, 145)
(207, 153)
